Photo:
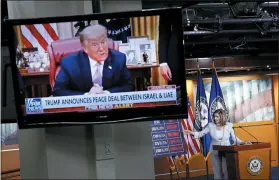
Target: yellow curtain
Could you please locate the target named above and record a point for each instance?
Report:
(18, 36)
(149, 26)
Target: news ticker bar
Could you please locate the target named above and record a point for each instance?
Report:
(101, 101)
(109, 107)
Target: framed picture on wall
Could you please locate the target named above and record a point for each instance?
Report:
(137, 38)
(134, 40)
(147, 52)
(132, 57)
(124, 47)
(25, 57)
(119, 42)
(131, 54)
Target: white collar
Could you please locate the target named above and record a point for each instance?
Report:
(93, 62)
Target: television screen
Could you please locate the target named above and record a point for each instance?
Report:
(99, 68)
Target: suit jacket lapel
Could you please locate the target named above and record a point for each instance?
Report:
(108, 71)
(86, 76)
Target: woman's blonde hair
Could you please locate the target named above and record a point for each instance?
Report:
(222, 115)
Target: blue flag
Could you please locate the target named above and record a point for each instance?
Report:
(202, 119)
(216, 100)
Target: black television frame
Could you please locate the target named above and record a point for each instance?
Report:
(93, 117)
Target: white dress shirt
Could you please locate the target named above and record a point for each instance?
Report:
(219, 137)
(163, 64)
(93, 68)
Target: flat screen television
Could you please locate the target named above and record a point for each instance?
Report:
(99, 68)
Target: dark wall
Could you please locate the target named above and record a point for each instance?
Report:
(4, 14)
(4, 8)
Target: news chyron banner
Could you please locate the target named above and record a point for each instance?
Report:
(167, 138)
(100, 102)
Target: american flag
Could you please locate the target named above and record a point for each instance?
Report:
(38, 35)
(171, 163)
(192, 145)
(171, 160)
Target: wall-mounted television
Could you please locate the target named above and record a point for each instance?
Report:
(98, 68)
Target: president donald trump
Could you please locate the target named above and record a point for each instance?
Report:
(94, 70)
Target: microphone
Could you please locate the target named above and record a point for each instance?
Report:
(249, 134)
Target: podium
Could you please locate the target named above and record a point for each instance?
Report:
(247, 161)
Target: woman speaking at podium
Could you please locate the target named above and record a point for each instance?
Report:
(220, 131)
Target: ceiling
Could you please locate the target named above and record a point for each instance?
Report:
(220, 29)
(230, 29)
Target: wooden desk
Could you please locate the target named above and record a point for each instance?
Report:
(248, 161)
(37, 84)
(10, 161)
(141, 75)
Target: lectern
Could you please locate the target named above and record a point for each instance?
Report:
(247, 161)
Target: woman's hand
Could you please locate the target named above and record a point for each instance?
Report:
(188, 132)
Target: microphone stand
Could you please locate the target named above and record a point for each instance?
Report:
(249, 134)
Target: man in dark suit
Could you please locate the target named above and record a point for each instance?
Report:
(169, 54)
(94, 70)
(169, 46)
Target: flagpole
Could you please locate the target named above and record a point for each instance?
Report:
(185, 139)
(187, 142)
(177, 172)
(188, 151)
(199, 73)
(198, 65)
(215, 71)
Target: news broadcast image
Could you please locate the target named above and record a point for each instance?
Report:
(96, 65)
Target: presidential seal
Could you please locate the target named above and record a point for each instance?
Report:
(255, 166)
(201, 113)
(218, 103)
